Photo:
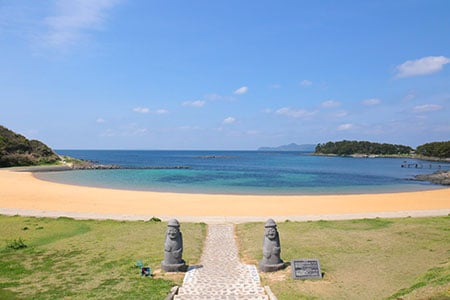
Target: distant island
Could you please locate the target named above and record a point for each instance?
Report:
(347, 148)
(290, 147)
(430, 151)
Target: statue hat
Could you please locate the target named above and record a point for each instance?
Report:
(270, 223)
(173, 223)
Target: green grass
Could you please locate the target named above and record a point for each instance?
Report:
(405, 258)
(88, 259)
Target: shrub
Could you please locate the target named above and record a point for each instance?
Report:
(16, 244)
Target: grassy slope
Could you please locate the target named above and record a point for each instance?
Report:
(362, 259)
(88, 259)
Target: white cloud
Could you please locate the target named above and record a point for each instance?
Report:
(229, 120)
(371, 101)
(422, 66)
(240, 91)
(427, 108)
(330, 103)
(217, 97)
(346, 126)
(161, 111)
(146, 110)
(141, 110)
(306, 82)
(410, 96)
(340, 114)
(100, 120)
(196, 103)
(74, 19)
(294, 113)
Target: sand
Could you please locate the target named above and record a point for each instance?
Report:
(21, 193)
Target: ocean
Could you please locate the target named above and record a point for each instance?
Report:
(246, 172)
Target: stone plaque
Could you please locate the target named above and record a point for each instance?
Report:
(306, 269)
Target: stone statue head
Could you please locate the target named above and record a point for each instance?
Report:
(173, 229)
(270, 230)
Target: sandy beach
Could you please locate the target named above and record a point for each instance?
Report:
(21, 193)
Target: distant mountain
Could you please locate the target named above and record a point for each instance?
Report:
(290, 147)
(17, 150)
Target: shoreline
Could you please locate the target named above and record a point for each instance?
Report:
(21, 193)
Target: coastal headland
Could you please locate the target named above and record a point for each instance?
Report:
(23, 194)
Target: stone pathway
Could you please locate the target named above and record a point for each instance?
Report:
(222, 275)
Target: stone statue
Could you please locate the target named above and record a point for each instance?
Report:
(173, 249)
(271, 261)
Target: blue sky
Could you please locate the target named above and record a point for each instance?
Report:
(135, 74)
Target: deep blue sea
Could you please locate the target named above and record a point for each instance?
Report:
(246, 172)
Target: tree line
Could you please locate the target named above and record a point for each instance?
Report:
(434, 149)
(361, 147)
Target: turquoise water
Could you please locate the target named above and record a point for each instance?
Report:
(246, 172)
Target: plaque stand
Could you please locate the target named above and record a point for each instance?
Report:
(306, 269)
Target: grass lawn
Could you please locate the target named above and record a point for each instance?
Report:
(362, 259)
(88, 259)
(405, 258)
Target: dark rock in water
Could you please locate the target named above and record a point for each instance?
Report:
(89, 165)
(216, 156)
(438, 177)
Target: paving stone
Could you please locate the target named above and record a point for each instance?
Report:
(222, 275)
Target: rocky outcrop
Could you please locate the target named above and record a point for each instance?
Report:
(438, 177)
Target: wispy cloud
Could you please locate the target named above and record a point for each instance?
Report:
(294, 113)
(371, 101)
(146, 110)
(423, 66)
(229, 120)
(410, 96)
(240, 91)
(161, 111)
(340, 114)
(346, 126)
(196, 103)
(275, 86)
(427, 108)
(141, 110)
(217, 97)
(73, 20)
(306, 82)
(330, 103)
(100, 120)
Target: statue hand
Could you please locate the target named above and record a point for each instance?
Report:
(177, 253)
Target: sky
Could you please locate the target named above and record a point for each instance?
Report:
(231, 75)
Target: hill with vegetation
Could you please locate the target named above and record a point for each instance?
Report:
(17, 150)
(345, 148)
(431, 151)
(435, 149)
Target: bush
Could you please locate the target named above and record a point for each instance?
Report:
(16, 244)
(155, 220)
